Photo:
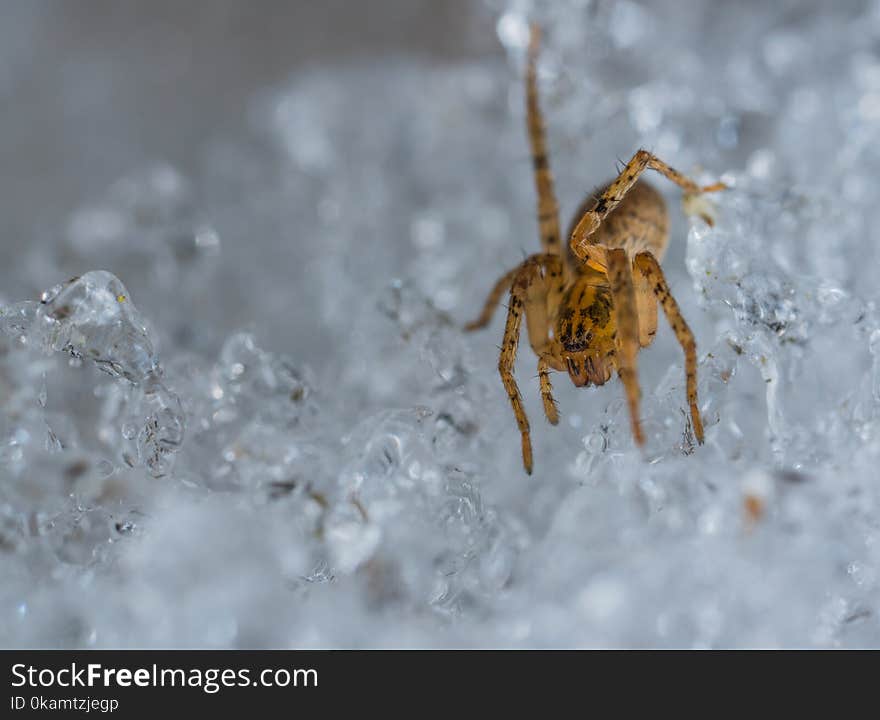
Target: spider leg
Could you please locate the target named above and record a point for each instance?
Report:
(543, 293)
(535, 262)
(548, 208)
(646, 307)
(492, 301)
(615, 192)
(528, 273)
(648, 266)
(547, 391)
(620, 275)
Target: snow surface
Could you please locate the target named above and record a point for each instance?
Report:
(254, 421)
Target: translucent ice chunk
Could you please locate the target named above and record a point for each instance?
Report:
(161, 435)
(250, 382)
(425, 523)
(92, 317)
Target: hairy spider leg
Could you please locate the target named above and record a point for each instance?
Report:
(615, 192)
(550, 409)
(529, 272)
(620, 276)
(548, 208)
(647, 265)
(492, 300)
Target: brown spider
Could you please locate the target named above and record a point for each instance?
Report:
(589, 310)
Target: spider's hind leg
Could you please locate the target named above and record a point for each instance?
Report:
(548, 208)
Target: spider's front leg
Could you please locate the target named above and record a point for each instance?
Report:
(615, 192)
(550, 409)
(537, 279)
(626, 316)
(528, 274)
(647, 265)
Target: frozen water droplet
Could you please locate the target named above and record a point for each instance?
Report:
(49, 295)
(92, 317)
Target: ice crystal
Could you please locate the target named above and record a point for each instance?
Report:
(285, 439)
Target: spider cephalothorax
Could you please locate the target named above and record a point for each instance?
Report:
(590, 307)
(584, 332)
